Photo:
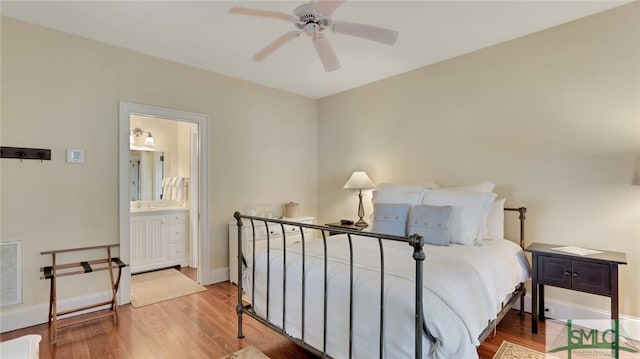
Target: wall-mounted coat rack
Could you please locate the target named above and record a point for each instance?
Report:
(25, 153)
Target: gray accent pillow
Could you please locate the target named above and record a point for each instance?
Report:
(390, 218)
(431, 222)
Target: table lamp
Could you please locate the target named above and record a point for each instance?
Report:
(359, 180)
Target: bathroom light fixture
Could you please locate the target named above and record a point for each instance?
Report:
(359, 180)
(139, 137)
(149, 140)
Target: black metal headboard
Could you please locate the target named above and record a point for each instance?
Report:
(522, 218)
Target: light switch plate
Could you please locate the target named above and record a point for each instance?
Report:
(75, 156)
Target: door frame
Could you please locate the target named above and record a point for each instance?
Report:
(204, 260)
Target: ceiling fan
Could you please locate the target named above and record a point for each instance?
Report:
(314, 19)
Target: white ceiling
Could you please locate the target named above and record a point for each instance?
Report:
(202, 34)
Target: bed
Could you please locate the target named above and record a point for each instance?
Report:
(381, 294)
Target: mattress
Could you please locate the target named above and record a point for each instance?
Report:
(464, 287)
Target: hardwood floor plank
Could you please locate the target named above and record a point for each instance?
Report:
(203, 325)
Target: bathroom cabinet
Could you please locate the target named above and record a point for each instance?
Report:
(158, 239)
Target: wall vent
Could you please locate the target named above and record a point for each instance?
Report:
(10, 273)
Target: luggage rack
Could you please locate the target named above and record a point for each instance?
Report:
(70, 269)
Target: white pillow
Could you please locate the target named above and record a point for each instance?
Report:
(468, 215)
(484, 187)
(495, 220)
(391, 196)
(407, 187)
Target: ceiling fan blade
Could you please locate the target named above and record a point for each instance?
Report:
(368, 32)
(262, 13)
(325, 52)
(269, 49)
(327, 7)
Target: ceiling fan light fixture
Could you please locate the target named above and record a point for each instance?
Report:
(314, 18)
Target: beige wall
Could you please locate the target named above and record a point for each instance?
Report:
(552, 118)
(61, 91)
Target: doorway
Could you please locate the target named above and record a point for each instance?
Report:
(191, 169)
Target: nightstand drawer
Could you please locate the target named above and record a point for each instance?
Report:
(592, 277)
(292, 231)
(574, 274)
(274, 231)
(554, 271)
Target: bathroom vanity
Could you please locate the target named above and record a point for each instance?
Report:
(159, 238)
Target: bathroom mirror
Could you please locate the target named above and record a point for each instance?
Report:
(146, 171)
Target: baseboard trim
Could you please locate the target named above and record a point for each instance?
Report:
(219, 275)
(25, 316)
(565, 310)
(29, 315)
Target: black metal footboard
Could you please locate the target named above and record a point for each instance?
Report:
(418, 255)
(321, 233)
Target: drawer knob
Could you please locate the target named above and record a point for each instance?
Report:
(575, 274)
(567, 273)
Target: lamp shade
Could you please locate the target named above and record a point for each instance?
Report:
(359, 180)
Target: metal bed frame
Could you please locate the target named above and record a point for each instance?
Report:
(415, 241)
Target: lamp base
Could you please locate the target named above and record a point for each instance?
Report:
(361, 223)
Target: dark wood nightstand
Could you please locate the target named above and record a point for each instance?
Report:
(595, 274)
(347, 226)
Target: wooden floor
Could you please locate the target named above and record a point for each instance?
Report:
(203, 325)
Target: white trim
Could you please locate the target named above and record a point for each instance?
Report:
(27, 316)
(565, 310)
(194, 220)
(219, 275)
(126, 109)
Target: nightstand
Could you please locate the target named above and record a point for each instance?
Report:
(347, 226)
(595, 274)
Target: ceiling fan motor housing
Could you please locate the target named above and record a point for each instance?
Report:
(306, 15)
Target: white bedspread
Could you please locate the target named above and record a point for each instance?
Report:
(464, 287)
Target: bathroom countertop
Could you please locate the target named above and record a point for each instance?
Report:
(156, 209)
